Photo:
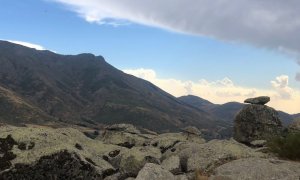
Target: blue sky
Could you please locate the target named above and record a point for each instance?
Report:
(171, 52)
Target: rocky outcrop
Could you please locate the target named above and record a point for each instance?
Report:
(262, 100)
(256, 122)
(155, 172)
(34, 148)
(37, 152)
(207, 156)
(133, 160)
(257, 168)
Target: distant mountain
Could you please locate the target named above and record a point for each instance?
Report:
(44, 87)
(296, 116)
(197, 102)
(227, 111)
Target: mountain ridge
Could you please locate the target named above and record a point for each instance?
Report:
(86, 89)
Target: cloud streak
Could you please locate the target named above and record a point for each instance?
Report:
(225, 90)
(27, 44)
(270, 24)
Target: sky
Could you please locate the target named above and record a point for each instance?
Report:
(222, 50)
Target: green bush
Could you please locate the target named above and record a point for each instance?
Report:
(286, 147)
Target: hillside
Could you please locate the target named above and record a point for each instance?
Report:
(84, 89)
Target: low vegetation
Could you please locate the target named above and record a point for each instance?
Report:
(286, 147)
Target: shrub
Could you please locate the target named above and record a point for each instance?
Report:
(286, 147)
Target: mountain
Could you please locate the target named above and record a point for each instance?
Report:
(197, 102)
(45, 87)
(227, 111)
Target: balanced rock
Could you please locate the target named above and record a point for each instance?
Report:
(256, 122)
(262, 100)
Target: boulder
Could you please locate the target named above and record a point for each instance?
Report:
(133, 160)
(168, 140)
(258, 168)
(154, 172)
(262, 100)
(123, 139)
(34, 148)
(192, 130)
(258, 143)
(256, 122)
(129, 128)
(205, 157)
(172, 164)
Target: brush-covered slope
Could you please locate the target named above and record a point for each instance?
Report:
(85, 89)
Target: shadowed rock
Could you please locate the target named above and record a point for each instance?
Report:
(262, 100)
(256, 122)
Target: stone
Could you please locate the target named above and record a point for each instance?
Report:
(205, 157)
(168, 140)
(59, 146)
(256, 122)
(154, 172)
(258, 143)
(192, 130)
(133, 160)
(123, 139)
(172, 164)
(64, 165)
(129, 128)
(181, 177)
(258, 168)
(262, 100)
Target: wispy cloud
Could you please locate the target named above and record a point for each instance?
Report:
(271, 23)
(27, 44)
(225, 90)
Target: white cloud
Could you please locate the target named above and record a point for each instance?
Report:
(281, 85)
(221, 91)
(27, 44)
(272, 24)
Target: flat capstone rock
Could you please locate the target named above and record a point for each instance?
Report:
(261, 100)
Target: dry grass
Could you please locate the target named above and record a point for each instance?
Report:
(199, 175)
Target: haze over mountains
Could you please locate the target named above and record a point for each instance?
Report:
(42, 87)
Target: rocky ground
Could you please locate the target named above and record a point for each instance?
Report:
(124, 152)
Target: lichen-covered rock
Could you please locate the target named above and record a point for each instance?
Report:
(133, 160)
(123, 139)
(207, 156)
(262, 100)
(256, 122)
(181, 177)
(129, 128)
(172, 164)
(33, 144)
(258, 168)
(61, 165)
(154, 172)
(168, 140)
(192, 130)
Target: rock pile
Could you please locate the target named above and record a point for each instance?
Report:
(256, 122)
(66, 153)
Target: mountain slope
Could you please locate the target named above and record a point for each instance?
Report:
(85, 89)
